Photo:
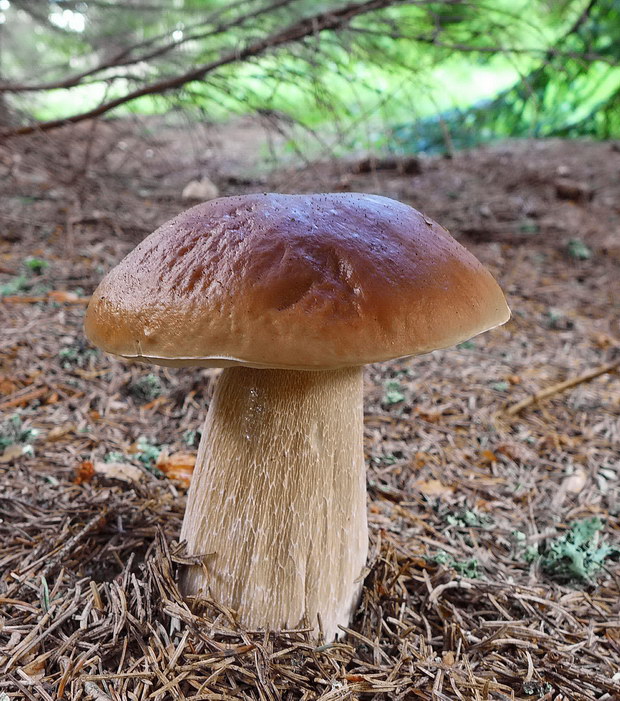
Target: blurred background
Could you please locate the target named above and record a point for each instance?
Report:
(327, 77)
(178, 100)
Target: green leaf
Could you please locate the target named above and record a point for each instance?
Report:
(393, 392)
(147, 452)
(15, 286)
(12, 432)
(579, 554)
(114, 456)
(36, 265)
(468, 518)
(146, 388)
(466, 568)
(577, 249)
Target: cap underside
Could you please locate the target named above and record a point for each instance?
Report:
(223, 362)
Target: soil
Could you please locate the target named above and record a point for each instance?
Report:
(468, 501)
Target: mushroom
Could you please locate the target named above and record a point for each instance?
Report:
(292, 295)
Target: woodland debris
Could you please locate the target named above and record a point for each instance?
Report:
(405, 165)
(200, 190)
(566, 189)
(119, 627)
(561, 387)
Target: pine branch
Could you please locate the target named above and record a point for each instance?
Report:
(311, 26)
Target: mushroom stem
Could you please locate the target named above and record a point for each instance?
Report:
(277, 504)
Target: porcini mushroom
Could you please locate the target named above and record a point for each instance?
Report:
(291, 295)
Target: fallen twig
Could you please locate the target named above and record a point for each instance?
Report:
(561, 386)
(439, 590)
(24, 398)
(59, 296)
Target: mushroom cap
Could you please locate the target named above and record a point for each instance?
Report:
(293, 281)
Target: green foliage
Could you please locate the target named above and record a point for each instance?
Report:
(68, 356)
(192, 438)
(554, 318)
(36, 265)
(531, 553)
(501, 386)
(389, 458)
(14, 286)
(529, 227)
(114, 456)
(409, 77)
(571, 89)
(468, 518)
(536, 688)
(146, 388)
(577, 555)
(578, 250)
(466, 568)
(12, 432)
(78, 355)
(147, 452)
(393, 392)
(23, 282)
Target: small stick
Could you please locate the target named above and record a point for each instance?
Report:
(59, 296)
(24, 299)
(25, 398)
(117, 675)
(454, 584)
(561, 386)
(96, 596)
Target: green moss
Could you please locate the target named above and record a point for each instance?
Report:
(146, 388)
(12, 432)
(393, 392)
(466, 568)
(578, 555)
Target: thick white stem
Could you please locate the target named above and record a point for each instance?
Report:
(277, 502)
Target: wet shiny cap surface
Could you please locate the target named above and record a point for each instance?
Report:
(293, 281)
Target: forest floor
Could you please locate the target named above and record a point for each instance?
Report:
(495, 533)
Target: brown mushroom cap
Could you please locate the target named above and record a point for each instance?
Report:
(293, 281)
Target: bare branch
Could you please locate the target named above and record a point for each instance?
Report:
(124, 58)
(487, 49)
(311, 26)
(114, 5)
